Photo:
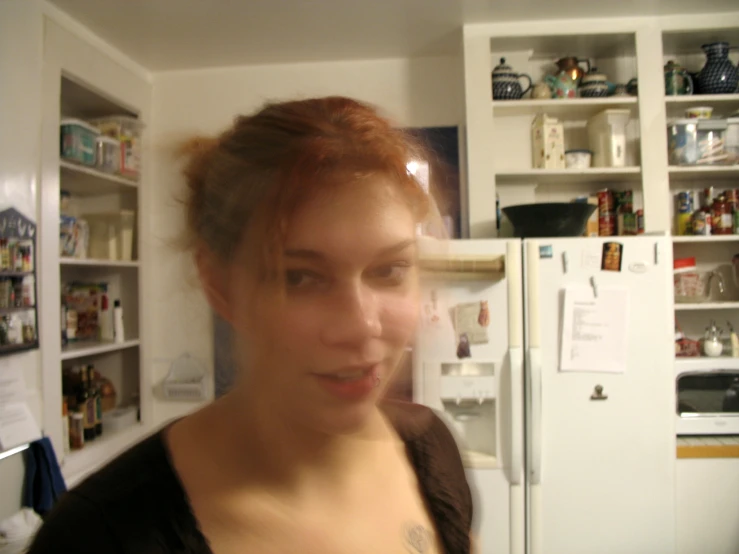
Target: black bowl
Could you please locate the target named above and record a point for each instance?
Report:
(550, 219)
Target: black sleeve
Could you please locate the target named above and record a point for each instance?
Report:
(459, 485)
(75, 526)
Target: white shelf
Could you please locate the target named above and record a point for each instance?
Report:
(479, 460)
(566, 108)
(709, 172)
(705, 362)
(78, 463)
(98, 263)
(86, 181)
(569, 176)
(702, 99)
(705, 238)
(705, 306)
(83, 349)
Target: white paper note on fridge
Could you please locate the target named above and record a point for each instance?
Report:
(595, 329)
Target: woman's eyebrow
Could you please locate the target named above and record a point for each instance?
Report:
(306, 253)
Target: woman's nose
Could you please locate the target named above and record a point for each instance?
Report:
(354, 318)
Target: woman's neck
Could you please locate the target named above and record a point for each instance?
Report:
(271, 448)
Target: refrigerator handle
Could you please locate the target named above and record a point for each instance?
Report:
(536, 435)
(516, 401)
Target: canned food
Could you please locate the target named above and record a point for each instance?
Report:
(623, 201)
(701, 226)
(684, 203)
(627, 223)
(735, 227)
(732, 199)
(605, 202)
(639, 222)
(606, 225)
(684, 223)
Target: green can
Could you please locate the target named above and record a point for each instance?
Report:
(735, 226)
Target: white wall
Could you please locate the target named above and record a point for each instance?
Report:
(21, 30)
(415, 92)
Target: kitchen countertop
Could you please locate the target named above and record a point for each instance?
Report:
(708, 447)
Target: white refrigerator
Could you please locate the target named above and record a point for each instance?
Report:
(561, 390)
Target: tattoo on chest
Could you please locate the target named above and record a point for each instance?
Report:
(417, 539)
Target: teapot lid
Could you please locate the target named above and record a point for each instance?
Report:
(672, 64)
(502, 68)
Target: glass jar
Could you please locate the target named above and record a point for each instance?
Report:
(721, 217)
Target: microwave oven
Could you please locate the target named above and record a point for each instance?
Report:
(707, 396)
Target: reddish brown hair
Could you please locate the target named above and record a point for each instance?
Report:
(247, 182)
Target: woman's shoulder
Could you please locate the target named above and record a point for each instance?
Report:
(133, 502)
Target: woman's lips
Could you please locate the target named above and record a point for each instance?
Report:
(350, 383)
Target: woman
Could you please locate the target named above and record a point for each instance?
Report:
(302, 219)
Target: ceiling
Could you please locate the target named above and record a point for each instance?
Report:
(180, 34)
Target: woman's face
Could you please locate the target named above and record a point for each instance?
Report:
(324, 351)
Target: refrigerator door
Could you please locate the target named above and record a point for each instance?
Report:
(492, 441)
(601, 445)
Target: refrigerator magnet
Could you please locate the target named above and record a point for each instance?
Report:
(612, 254)
(463, 347)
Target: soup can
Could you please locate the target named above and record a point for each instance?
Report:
(605, 202)
(606, 225)
(639, 222)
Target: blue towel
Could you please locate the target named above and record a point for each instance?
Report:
(44, 482)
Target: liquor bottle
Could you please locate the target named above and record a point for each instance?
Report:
(86, 404)
(98, 399)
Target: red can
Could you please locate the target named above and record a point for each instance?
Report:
(605, 202)
(639, 222)
(607, 225)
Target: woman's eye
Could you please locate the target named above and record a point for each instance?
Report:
(297, 278)
(392, 274)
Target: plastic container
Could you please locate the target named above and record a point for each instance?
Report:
(732, 140)
(111, 235)
(77, 142)
(692, 285)
(697, 141)
(699, 112)
(578, 159)
(547, 142)
(607, 137)
(120, 418)
(108, 154)
(127, 131)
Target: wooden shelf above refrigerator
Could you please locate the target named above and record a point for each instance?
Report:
(462, 268)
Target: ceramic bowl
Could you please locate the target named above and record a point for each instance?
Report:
(699, 112)
(578, 159)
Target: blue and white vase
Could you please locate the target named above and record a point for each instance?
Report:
(718, 76)
(505, 83)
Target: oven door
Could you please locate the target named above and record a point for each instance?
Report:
(708, 402)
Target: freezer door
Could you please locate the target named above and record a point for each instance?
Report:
(600, 465)
(492, 442)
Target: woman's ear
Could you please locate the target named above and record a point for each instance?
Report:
(214, 278)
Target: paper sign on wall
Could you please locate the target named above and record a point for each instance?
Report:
(595, 329)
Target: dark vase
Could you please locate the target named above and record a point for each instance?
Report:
(718, 76)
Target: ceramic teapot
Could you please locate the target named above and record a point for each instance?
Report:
(565, 83)
(718, 76)
(595, 85)
(677, 80)
(505, 83)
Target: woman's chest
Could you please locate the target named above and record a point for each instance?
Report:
(388, 520)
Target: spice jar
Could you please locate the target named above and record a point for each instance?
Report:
(721, 217)
(76, 431)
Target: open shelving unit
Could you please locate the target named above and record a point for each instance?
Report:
(81, 83)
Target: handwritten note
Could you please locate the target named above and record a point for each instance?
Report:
(17, 425)
(12, 384)
(595, 329)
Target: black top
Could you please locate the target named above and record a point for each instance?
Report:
(136, 504)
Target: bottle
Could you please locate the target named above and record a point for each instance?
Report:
(106, 319)
(98, 399)
(86, 405)
(734, 341)
(118, 321)
(65, 426)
